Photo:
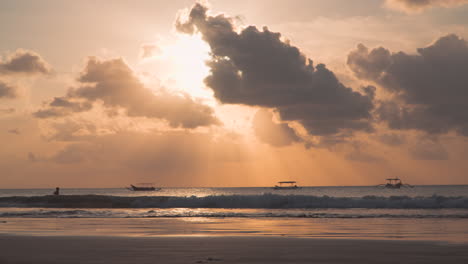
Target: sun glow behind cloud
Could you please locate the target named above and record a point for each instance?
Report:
(180, 65)
(127, 132)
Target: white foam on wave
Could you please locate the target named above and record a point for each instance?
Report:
(232, 213)
(270, 201)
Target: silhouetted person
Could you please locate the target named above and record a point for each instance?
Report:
(57, 191)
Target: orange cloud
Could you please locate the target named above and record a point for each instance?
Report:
(114, 84)
(24, 62)
(7, 90)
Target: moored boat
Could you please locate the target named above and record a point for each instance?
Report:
(394, 183)
(286, 185)
(143, 187)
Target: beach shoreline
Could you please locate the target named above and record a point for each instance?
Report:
(215, 249)
(442, 230)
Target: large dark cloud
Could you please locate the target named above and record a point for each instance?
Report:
(419, 5)
(257, 68)
(7, 90)
(24, 62)
(430, 87)
(114, 84)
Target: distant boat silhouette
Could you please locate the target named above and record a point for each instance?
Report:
(286, 185)
(394, 183)
(143, 187)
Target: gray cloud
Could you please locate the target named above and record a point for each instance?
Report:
(392, 139)
(256, 67)
(114, 84)
(7, 91)
(412, 6)
(25, 62)
(272, 133)
(63, 106)
(430, 87)
(21, 62)
(51, 113)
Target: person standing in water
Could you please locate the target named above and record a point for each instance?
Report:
(57, 191)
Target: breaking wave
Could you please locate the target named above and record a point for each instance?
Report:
(229, 213)
(266, 201)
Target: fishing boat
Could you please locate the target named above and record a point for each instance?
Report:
(286, 185)
(394, 183)
(143, 187)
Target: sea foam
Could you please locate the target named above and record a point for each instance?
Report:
(267, 201)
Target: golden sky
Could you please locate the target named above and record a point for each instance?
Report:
(233, 93)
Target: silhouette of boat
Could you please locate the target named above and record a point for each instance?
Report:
(143, 187)
(286, 185)
(394, 183)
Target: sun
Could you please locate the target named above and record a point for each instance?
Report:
(185, 64)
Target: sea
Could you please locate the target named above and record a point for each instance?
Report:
(427, 213)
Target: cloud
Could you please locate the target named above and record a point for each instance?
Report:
(257, 68)
(24, 62)
(115, 85)
(7, 90)
(21, 62)
(416, 6)
(63, 106)
(429, 88)
(149, 50)
(275, 134)
(392, 139)
(71, 130)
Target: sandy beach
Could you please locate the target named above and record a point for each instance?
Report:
(60, 249)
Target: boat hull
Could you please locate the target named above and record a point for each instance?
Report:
(285, 188)
(143, 189)
(393, 186)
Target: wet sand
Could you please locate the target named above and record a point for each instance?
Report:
(141, 250)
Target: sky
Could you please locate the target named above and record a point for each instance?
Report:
(233, 93)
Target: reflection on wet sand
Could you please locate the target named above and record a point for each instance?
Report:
(449, 230)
